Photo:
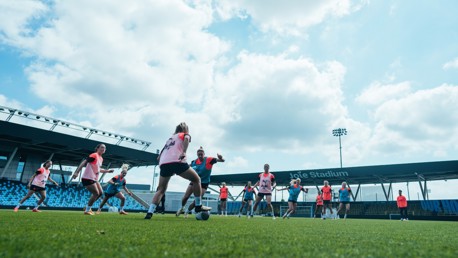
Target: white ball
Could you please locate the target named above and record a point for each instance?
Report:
(203, 215)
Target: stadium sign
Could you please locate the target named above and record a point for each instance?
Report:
(315, 174)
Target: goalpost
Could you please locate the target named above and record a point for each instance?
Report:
(301, 211)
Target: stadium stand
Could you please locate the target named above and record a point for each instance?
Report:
(71, 196)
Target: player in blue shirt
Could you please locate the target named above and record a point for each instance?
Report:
(203, 165)
(114, 189)
(344, 198)
(294, 190)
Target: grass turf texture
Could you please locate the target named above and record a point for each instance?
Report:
(71, 234)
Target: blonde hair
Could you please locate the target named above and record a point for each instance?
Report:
(125, 167)
(293, 182)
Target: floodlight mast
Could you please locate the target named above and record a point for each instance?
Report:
(338, 133)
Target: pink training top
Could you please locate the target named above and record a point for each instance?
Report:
(41, 177)
(265, 182)
(173, 149)
(93, 167)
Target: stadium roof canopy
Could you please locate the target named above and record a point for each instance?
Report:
(397, 173)
(69, 148)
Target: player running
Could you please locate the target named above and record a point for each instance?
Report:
(172, 160)
(247, 198)
(90, 175)
(223, 193)
(37, 183)
(344, 198)
(326, 195)
(294, 190)
(266, 183)
(114, 189)
(203, 166)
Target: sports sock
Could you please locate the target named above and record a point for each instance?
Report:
(122, 208)
(152, 208)
(198, 201)
(88, 208)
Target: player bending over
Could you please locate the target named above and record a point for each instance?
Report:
(114, 189)
(203, 166)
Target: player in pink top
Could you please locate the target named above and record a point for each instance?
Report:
(90, 175)
(37, 183)
(172, 161)
(266, 183)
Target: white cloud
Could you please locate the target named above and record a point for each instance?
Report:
(285, 18)
(274, 102)
(421, 122)
(451, 64)
(378, 93)
(16, 16)
(100, 53)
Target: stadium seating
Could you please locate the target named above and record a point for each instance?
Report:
(76, 197)
(71, 196)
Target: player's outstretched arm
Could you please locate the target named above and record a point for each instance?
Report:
(78, 169)
(106, 170)
(220, 158)
(52, 181)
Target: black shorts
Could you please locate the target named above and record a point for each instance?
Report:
(36, 188)
(345, 202)
(223, 199)
(109, 195)
(293, 201)
(247, 200)
(325, 202)
(202, 185)
(264, 194)
(170, 169)
(87, 182)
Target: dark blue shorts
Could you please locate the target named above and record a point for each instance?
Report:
(36, 188)
(87, 182)
(109, 195)
(170, 169)
(264, 194)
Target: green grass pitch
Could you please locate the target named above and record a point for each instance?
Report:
(71, 234)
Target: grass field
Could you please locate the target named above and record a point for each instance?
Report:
(71, 234)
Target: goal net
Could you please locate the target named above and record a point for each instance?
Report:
(301, 211)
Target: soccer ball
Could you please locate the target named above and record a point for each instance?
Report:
(203, 215)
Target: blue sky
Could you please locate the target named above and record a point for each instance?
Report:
(258, 81)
